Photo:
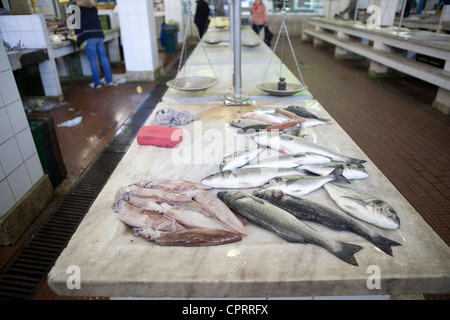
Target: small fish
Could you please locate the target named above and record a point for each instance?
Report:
(306, 134)
(245, 177)
(289, 160)
(312, 211)
(272, 118)
(290, 144)
(273, 218)
(364, 206)
(302, 185)
(282, 126)
(351, 171)
(303, 112)
(174, 185)
(306, 121)
(245, 125)
(239, 159)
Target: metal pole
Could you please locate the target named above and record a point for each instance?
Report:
(236, 25)
(356, 11)
(401, 16)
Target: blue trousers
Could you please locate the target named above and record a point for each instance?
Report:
(95, 47)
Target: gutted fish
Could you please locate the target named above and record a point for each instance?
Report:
(273, 218)
(289, 160)
(197, 237)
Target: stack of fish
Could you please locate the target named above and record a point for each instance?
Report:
(177, 213)
(302, 167)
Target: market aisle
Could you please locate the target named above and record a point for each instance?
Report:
(392, 121)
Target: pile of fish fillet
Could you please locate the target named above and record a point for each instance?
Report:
(177, 213)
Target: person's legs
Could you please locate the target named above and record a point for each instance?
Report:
(91, 52)
(255, 28)
(104, 61)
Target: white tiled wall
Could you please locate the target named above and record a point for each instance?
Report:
(138, 35)
(31, 30)
(20, 167)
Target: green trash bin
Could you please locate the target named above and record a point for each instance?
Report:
(170, 33)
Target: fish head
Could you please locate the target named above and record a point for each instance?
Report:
(384, 209)
(275, 194)
(231, 196)
(216, 177)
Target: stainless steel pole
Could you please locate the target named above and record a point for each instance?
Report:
(401, 16)
(236, 25)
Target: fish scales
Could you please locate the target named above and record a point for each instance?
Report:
(273, 218)
(308, 210)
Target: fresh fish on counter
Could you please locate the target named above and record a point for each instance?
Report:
(302, 185)
(239, 159)
(306, 134)
(309, 210)
(289, 160)
(246, 177)
(174, 185)
(364, 206)
(351, 171)
(282, 126)
(290, 144)
(275, 219)
(216, 208)
(197, 237)
(306, 122)
(272, 118)
(304, 112)
(190, 216)
(249, 124)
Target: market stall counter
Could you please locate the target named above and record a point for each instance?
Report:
(112, 261)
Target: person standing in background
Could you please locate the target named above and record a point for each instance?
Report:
(259, 16)
(202, 17)
(3, 11)
(90, 31)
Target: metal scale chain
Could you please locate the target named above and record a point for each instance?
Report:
(283, 27)
(183, 56)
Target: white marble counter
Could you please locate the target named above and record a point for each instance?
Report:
(115, 263)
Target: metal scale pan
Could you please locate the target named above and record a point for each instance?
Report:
(272, 89)
(193, 83)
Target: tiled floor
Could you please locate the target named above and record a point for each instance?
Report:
(390, 119)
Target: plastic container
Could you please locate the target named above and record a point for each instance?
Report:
(170, 33)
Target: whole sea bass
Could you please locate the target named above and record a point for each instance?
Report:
(275, 219)
(302, 185)
(246, 177)
(309, 210)
(292, 144)
(289, 160)
(351, 171)
(239, 159)
(364, 206)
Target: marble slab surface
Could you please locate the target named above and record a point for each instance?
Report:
(115, 263)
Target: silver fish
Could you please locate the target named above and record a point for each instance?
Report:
(290, 144)
(239, 159)
(306, 134)
(364, 206)
(275, 219)
(351, 171)
(304, 112)
(272, 118)
(248, 124)
(309, 210)
(302, 185)
(289, 160)
(245, 177)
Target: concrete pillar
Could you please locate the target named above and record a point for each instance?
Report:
(338, 51)
(50, 79)
(173, 10)
(445, 17)
(375, 68)
(332, 7)
(388, 9)
(138, 35)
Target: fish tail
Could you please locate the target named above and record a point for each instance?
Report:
(384, 244)
(338, 174)
(347, 251)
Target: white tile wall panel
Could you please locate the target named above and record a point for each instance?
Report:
(10, 156)
(20, 182)
(17, 116)
(6, 131)
(34, 168)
